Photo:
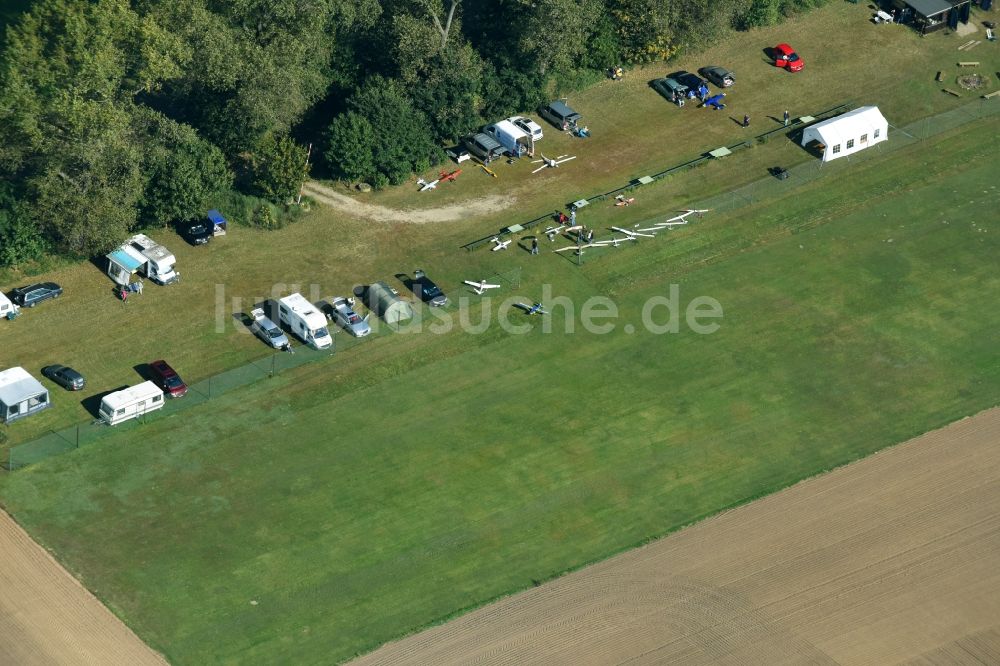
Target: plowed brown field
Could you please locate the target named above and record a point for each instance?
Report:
(895, 558)
(47, 617)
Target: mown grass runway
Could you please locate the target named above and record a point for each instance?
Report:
(317, 514)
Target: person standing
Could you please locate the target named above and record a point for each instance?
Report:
(572, 217)
(786, 117)
(534, 246)
(746, 120)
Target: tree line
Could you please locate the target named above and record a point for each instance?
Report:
(119, 114)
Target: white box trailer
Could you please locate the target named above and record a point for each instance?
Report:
(305, 320)
(141, 254)
(131, 402)
(510, 136)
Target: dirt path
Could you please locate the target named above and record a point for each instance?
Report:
(892, 559)
(47, 617)
(342, 202)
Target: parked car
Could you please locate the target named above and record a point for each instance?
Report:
(345, 316)
(483, 146)
(65, 376)
(426, 290)
(671, 88)
(785, 56)
(560, 115)
(167, 379)
(528, 126)
(34, 294)
(196, 233)
(719, 76)
(267, 330)
(692, 81)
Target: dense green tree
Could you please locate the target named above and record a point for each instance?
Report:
(184, 171)
(349, 145)
(554, 34)
(447, 91)
(402, 137)
(20, 238)
(279, 168)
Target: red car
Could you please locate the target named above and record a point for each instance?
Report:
(167, 379)
(785, 57)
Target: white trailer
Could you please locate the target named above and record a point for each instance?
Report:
(510, 136)
(141, 254)
(131, 402)
(305, 320)
(7, 309)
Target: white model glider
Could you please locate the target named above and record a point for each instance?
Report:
(546, 162)
(499, 244)
(481, 286)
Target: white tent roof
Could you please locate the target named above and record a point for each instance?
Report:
(849, 125)
(16, 385)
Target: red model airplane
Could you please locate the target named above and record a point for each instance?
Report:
(450, 176)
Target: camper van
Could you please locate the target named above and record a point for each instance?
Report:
(131, 402)
(305, 320)
(141, 254)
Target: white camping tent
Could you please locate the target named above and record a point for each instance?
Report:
(848, 133)
(21, 395)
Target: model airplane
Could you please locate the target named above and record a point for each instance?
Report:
(532, 309)
(427, 185)
(481, 286)
(613, 241)
(546, 162)
(450, 177)
(499, 244)
(621, 200)
(551, 231)
(633, 233)
(668, 225)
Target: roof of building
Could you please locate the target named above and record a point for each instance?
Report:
(929, 7)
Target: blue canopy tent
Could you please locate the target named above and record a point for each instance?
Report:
(219, 222)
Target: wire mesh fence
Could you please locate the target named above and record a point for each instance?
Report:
(770, 187)
(58, 442)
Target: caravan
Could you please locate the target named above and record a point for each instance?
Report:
(130, 403)
(7, 309)
(305, 320)
(141, 254)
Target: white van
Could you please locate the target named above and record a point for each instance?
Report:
(305, 320)
(131, 402)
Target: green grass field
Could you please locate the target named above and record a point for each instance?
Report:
(359, 498)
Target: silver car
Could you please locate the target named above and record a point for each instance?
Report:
(348, 319)
(267, 330)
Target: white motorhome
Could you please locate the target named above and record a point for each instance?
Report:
(131, 402)
(510, 136)
(141, 254)
(7, 309)
(305, 320)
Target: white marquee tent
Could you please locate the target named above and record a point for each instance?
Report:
(848, 133)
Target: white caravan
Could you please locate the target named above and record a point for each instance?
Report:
(7, 309)
(131, 402)
(141, 254)
(305, 320)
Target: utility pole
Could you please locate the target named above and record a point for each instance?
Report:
(298, 200)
